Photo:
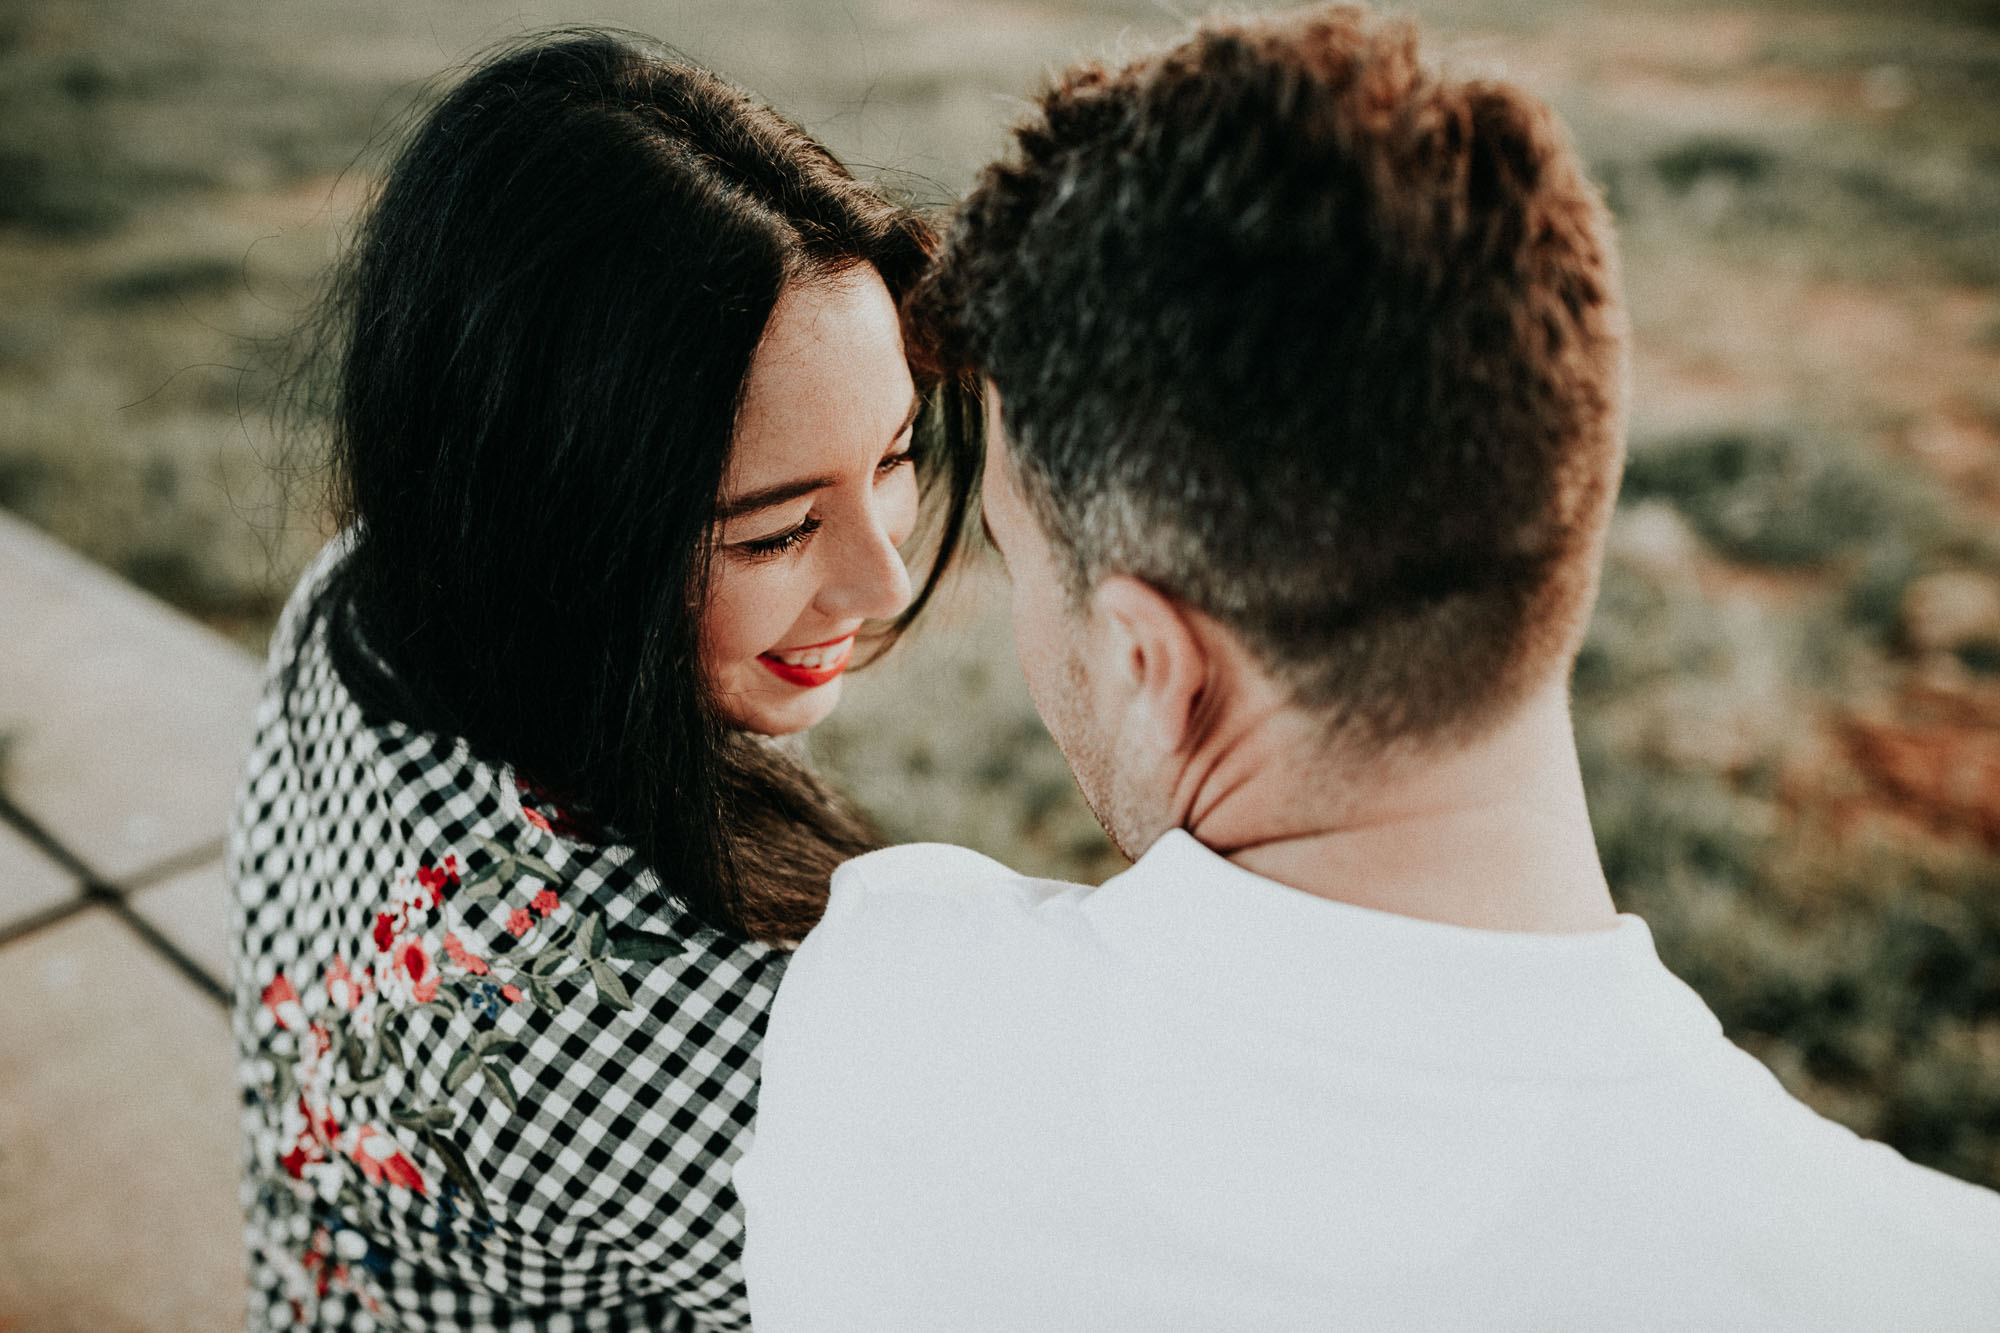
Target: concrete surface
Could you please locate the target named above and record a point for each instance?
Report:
(118, 1105)
(127, 721)
(192, 911)
(30, 883)
(118, 1139)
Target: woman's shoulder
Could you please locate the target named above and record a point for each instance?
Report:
(304, 596)
(339, 803)
(462, 1025)
(450, 986)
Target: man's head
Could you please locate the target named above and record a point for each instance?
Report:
(1317, 345)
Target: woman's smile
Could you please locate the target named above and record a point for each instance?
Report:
(819, 492)
(812, 666)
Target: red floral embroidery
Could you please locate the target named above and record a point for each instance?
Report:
(343, 987)
(319, 1265)
(324, 1126)
(317, 1133)
(436, 878)
(332, 1047)
(383, 1162)
(283, 1002)
(413, 960)
(458, 953)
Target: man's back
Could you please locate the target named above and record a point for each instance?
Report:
(1304, 363)
(1195, 1098)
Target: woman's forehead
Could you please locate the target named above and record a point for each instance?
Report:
(828, 384)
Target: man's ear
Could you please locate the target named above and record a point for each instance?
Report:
(1152, 651)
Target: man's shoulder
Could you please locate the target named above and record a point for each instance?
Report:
(931, 962)
(922, 867)
(939, 869)
(933, 894)
(931, 920)
(926, 1029)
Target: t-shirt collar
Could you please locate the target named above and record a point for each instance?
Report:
(1595, 1005)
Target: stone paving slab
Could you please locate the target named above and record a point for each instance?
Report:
(129, 721)
(192, 910)
(118, 1140)
(30, 883)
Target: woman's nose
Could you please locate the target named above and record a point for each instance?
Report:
(868, 578)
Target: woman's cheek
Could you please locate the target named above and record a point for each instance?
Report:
(730, 628)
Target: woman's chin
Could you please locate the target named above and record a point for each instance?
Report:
(784, 714)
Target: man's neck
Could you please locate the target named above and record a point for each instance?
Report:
(1494, 836)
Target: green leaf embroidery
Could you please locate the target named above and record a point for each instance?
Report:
(463, 1066)
(485, 886)
(456, 1167)
(609, 987)
(640, 946)
(502, 1087)
(591, 933)
(502, 865)
(537, 867)
(367, 1087)
(493, 1039)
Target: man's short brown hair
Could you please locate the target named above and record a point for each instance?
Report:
(1317, 340)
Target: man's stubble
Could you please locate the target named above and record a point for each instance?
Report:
(1089, 749)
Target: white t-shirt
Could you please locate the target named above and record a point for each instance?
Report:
(1196, 1099)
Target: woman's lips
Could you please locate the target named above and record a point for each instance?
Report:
(811, 666)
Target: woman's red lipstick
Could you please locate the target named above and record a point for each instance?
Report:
(831, 663)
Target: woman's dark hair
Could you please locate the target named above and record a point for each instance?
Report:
(534, 357)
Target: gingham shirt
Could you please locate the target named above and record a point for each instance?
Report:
(464, 1108)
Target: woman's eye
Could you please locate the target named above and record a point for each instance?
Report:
(892, 462)
(778, 543)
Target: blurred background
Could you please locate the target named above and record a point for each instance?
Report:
(1790, 701)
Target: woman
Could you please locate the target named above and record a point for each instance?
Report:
(625, 441)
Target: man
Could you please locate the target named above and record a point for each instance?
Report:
(1306, 367)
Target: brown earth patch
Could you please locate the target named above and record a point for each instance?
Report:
(1931, 756)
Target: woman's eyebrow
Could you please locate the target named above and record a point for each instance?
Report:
(771, 495)
(767, 496)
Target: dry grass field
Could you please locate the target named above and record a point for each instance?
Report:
(1790, 702)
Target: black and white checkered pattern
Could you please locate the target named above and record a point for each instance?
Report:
(606, 1195)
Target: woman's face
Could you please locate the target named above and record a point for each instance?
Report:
(818, 494)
